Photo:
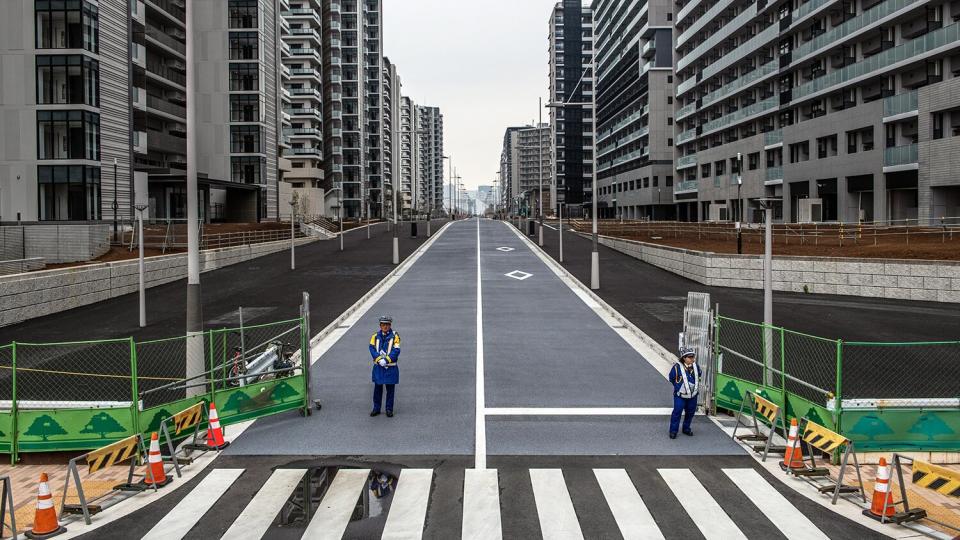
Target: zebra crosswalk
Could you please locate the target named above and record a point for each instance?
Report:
(340, 502)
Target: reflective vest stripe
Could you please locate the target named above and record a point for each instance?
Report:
(685, 390)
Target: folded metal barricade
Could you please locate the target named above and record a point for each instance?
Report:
(817, 437)
(927, 475)
(191, 417)
(6, 504)
(130, 448)
(769, 411)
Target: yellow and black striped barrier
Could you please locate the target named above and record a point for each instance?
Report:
(191, 417)
(188, 418)
(926, 475)
(816, 437)
(128, 449)
(768, 410)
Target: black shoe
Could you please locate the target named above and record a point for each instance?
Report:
(389, 414)
(688, 432)
(673, 435)
(374, 413)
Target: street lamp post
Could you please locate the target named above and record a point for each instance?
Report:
(195, 365)
(142, 289)
(293, 236)
(115, 205)
(739, 205)
(767, 205)
(540, 164)
(396, 238)
(560, 228)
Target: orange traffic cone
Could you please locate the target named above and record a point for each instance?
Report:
(793, 457)
(214, 431)
(882, 504)
(45, 523)
(155, 474)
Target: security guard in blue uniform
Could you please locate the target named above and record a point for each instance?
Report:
(685, 376)
(385, 351)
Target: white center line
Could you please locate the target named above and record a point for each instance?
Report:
(480, 435)
(577, 411)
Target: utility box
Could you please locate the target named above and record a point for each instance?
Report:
(810, 211)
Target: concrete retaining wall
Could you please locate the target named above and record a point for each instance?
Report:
(35, 294)
(934, 281)
(55, 243)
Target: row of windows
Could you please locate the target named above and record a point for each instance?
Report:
(67, 24)
(633, 185)
(243, 13)
(244, 45)
(68, 192)
(68, 135)
(247, 169)
(72, 80)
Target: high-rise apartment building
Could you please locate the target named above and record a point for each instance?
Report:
(533, 167)
(390, 126)
(509, 169)
(845, 110)
(571, 93)
(634, 116)
(431, 186)
(409, 162)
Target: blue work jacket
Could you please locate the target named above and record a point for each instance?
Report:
(677, 371)
(388, 346)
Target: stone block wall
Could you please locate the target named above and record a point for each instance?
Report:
(933, 281)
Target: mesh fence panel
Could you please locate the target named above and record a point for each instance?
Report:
(901, 370)
(161, 363)
(235, 352)
(6, 372)
(812, 360)
(745, 339)
(79, 371)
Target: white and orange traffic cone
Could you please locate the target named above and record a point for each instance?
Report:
(45, 523)
(214, 431)
(793, 457)
(155, 474)
(882, 505)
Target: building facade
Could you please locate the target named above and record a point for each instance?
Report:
(409, 163)
(431, 185)
(533, 164)
(571, 94)
(633, 42)
(843, 111)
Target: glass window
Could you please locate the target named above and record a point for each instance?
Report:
(245, 140)
(68, 135)
(245, 108)
(68, 192)
(68, 80)
(243, 13)
(247, 169)
(243, 46)
(244, 78)
(66, 24)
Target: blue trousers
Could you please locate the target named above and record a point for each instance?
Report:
(378, 396)
(679, 406)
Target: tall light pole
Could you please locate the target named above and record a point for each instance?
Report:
(449, 173)
(293, 236)
(767, 205)
(396, 238)
(195, 358)
(142, 289)
(450, 194)
(540, 164)
(739, 206)
(115, 205)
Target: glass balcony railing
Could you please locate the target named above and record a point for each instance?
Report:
(900, 155)
(832, 36)
(686, 161)
(900, 103)
(807, 9)
(750, 46)
(686, 186)
(717, 181)
(687, 135)
(774, 174)
(687, 110)
(773, 137)
(620, 125)
(702, 20)
(729, 119)
(625, 140)
(741, 82)
(948, 35)
(719, 36)
(686, 85)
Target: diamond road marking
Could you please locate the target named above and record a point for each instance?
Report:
(518, 275)
(504, 248)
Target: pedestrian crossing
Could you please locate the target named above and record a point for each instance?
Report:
(640, 505)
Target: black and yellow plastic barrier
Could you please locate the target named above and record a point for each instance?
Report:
(769, 411)
(926, 475)
(191, 417)
(819, 438)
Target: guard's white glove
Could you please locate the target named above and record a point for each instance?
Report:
(382, 362)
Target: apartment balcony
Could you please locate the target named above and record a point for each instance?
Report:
(899, 158)
(335, 25)
(336, 132)
(305, 93)
(774, 176)
(138, 11)
(685, 162)
(172, 10)
(138, 53)
(140, 142)
(316, 153)
(139, 98)
(303, 132)
(305, 72)
(166, 143)
(302, 13)
(649, 49)
(686, 186)
(306, 32)
(773, 138)
(161, 38)
(300, 112)
(305, 173)
(306, 53)
(334, 7)
(899, 106)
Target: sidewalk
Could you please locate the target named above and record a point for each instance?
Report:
(653, 299)
(266, 288)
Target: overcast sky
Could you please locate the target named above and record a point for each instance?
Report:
(483, 63)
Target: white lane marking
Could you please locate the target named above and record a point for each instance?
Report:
(791, 522)
(257, 517)
(628, 510)
(577, 411)
(708, 516)
(178, 522)
(333, 515)
(480, 429)
(481, 505)
(409, 508)
(505, 249)
(519, 275)
(558, 519)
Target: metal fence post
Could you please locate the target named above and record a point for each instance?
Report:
(783, 368)
(213, 387)
(13, 407)
(135, 393)
(305, 350)
(838, 398)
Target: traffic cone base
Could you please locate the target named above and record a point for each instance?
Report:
(45, 522)
(215, 439)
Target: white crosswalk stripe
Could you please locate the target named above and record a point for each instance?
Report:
(633, 518)
(409, 508)
(481, 505)
(558, 519)
(791, 522)
(178, 522)
(333, 515)
(259, 514)
(709, 517)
